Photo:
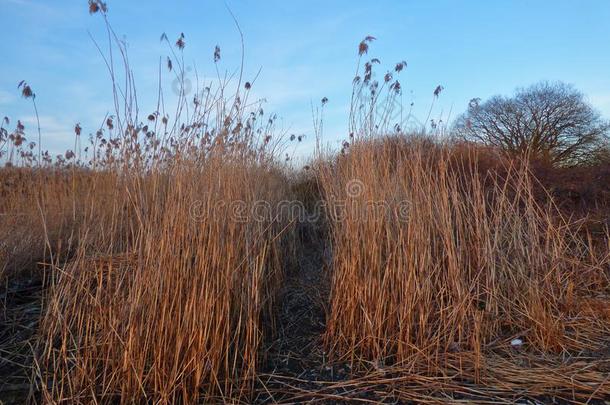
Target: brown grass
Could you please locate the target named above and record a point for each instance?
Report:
(473, 262)
(24, 196)
(168, 288)
(173, 303)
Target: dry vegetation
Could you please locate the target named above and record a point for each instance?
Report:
(204, 281)
(161, 279)
(437, 288)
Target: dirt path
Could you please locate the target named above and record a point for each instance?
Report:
(298, 369)
(296, 360)
(20, 310)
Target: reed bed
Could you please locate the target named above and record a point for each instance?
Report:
(169, 288)
(26, 236)
(171, 307)
(453, 264)
(164, 244)
(434, 258)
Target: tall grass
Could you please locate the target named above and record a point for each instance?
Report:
(452, 261)
(439, 262)
(171, 304)
(168, 290)
(24, 196)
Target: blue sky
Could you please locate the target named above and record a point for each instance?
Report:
(306, 49)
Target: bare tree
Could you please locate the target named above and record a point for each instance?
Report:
(547, 121)
(601, 156)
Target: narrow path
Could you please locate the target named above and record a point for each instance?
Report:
(298, 370)
(297, 362)
(20, 311)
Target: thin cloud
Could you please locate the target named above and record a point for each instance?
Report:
(6, 97)
(57, 134)
(18, 2)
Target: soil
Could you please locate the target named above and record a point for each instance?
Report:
(20, 310)
(296, 361)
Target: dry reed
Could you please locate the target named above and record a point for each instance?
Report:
(170, 285)
(441, 259)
